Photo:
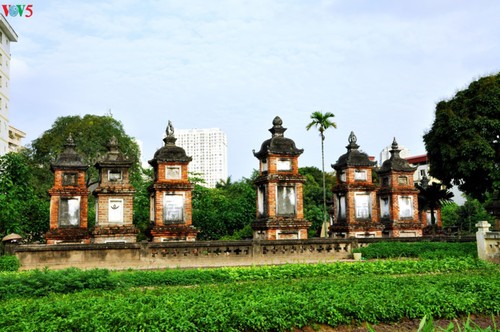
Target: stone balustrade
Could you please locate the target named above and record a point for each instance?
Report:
(196, 254)
(488, 243)
(160, 255)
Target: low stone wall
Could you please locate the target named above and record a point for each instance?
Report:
(160, 255)
(488, 243)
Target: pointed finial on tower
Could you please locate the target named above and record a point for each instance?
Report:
(394, 144)
(277, 130)
(170, 129)
(352, 142)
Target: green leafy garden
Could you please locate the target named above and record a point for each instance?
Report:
(269, 298)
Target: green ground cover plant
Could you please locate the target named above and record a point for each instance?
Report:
(39, 283)
(267, 298)
(425, 249)
(265, 305)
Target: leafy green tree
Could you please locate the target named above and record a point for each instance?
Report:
(141, 201)
(91, 134)
(22, 211)
(322, 122)
(470, 213)
(432, 197)
(464, 217)
(449, 215)
(313, 197)
(224, 211)
(463, 143)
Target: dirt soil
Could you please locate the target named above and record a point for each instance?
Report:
(410, 325)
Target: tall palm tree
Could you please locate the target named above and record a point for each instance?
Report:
(432, 197)
(322, 122)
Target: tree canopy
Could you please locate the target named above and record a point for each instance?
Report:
(91, 134)
(463, 144)
(21, 208)
(225, 210)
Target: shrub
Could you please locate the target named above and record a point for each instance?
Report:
(430, 250)
(9, 264)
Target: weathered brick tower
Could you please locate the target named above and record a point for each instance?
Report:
(68, 198)
(171, 193)
(280, 212)
(355, 212)
(114, 198)
(398, 197)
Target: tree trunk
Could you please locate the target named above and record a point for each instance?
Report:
(433, 222)
(324, 227)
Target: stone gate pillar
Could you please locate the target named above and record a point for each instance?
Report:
(171, 193)
(114, 198)
(398, 197)
(68, 198)
(280, 211)
(354, 195)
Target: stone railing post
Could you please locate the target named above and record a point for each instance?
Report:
(483, 227)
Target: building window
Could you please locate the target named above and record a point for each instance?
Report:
(261, 200)
(360, 175)
(70, 179)
(405, 207)
(384, 207)
(152, 208)
(342, 176)
(115, 210)
(362, 205)
(342, 208)
(114, 175)
(422, 173)
(284, 165)
(285, 200)
(69, 211)
(173, 172)
(403, 180)
(173, 208)
(263, 165)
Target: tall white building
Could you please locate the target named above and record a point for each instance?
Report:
(386, 154)
(10, 137)
(208, 148)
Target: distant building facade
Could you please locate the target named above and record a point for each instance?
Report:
(208, 148)
(385, 154)
(10, 137)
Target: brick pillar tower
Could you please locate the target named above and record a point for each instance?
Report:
(68, 198)
(355, 212)
(114, 198)
(280, 211)
(398, 197)
(171, 193)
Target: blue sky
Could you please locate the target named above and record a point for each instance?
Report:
(379, 66)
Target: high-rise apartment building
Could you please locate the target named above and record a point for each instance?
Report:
(10, 137)
(208, 148)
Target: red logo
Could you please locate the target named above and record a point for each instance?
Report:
(18, 10)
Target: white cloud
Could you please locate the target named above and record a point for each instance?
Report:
(378, 66)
